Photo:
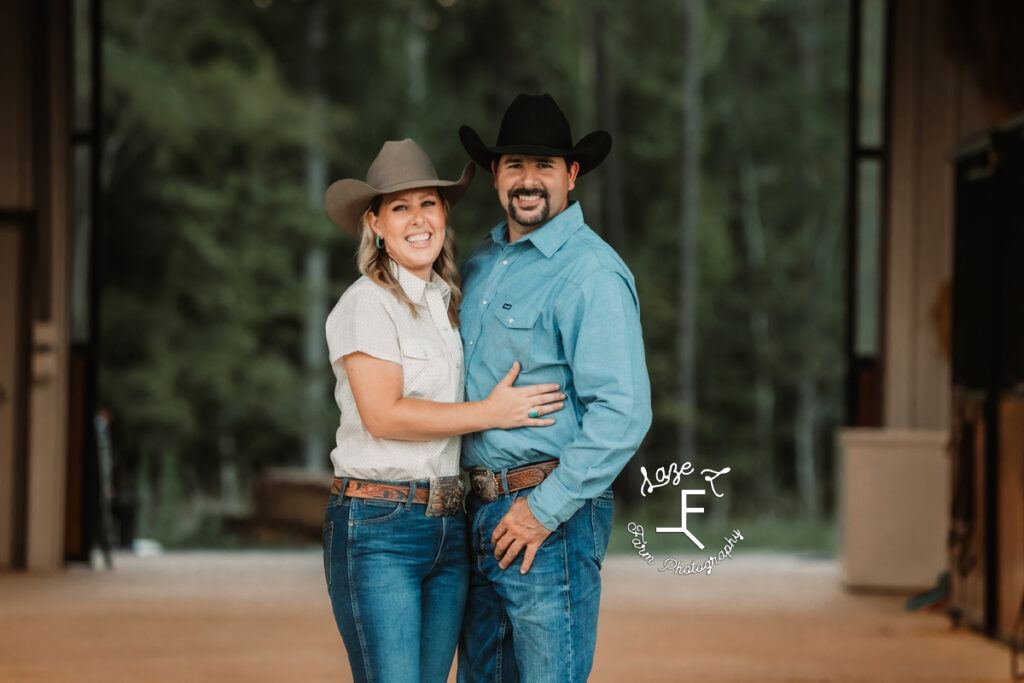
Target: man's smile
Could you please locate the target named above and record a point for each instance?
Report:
(528, 200)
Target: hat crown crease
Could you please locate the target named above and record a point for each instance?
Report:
(400, 163)
(535, 120)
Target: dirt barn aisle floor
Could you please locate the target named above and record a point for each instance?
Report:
(265, 617)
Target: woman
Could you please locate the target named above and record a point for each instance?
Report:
(395, 535)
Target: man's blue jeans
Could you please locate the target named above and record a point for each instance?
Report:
(397, 581)
(542, 625)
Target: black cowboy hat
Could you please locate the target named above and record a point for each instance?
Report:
(533, 124)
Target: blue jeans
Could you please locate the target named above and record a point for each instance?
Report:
(542, 625)
(397, 581)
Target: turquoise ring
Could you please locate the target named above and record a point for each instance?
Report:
(533, 413)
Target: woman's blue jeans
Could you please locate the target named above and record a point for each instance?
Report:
(538, 627)
(397, 581)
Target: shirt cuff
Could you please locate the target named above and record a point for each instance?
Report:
(552, 504)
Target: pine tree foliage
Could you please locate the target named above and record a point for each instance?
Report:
(207, 222)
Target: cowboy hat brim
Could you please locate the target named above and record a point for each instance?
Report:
(590, 151)
(347, 200)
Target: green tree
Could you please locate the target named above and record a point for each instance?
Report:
(225, 120)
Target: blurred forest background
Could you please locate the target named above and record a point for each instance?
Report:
(724, 193)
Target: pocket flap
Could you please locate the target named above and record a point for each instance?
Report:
(517, 317)
(415, 348)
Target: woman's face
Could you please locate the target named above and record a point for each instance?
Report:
(411, 223)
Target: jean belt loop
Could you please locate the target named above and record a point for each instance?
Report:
(412, 494)
(344, 485)
(504, 481)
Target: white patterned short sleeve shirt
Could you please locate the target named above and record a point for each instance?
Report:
(371, 320)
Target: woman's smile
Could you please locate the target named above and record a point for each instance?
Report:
(420, 239)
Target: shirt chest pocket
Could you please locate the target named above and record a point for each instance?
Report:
(516, 330)
(424, 369)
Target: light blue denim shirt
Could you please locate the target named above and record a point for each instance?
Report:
(562, 303)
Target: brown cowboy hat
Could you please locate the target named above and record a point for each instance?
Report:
(400, 165)
(534, 125)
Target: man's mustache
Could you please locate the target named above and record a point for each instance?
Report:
(519, 192)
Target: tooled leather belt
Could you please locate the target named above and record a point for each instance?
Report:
(443, 497)
(488, 485)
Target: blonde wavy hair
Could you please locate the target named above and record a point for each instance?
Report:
(375, 263)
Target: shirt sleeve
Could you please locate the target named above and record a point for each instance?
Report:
(361, 321)
(599, 326)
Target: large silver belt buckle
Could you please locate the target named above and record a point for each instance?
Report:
(445, 497)
(483, 484)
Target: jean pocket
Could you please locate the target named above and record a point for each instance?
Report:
(365, 512)
(328, 541)
(556, 537)
(602, 510)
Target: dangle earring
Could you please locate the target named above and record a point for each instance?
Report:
(380, 244)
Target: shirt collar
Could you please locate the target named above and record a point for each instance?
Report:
(549, 237)
(414, 287)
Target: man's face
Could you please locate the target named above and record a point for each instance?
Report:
(533, 189)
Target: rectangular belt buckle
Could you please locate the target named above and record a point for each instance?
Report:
(484, 486)
(445, 498)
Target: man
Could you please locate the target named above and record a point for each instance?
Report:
(543, 289)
